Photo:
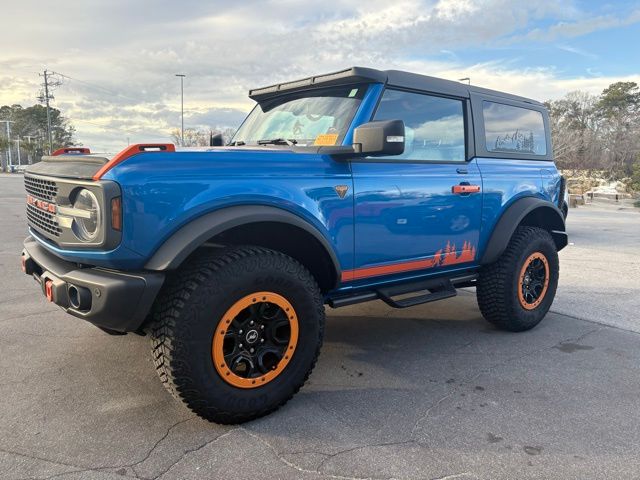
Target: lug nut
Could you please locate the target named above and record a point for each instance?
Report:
(240, 332)
(262, 340)
(251, 322)
(251, 350)
(240, 346)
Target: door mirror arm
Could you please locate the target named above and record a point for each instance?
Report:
(373, 139)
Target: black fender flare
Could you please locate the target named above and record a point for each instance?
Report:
(195, 233)
(547, 214)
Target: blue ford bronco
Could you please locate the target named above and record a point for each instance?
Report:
(336, 189)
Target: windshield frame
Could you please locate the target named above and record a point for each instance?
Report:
(268, 105)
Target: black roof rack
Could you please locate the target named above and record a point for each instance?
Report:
(396, 78)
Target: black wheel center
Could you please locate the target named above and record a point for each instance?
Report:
(534, 279)
(252, 336)
(256, 340)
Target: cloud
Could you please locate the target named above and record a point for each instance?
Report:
(581, 27)
(120, 57)
(577, 51)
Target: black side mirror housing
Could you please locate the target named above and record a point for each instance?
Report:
(380, 138)
(216, 140)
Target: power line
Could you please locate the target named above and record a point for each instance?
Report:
(127, 132)
(97, 87)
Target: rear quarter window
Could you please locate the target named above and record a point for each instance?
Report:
(511, 129)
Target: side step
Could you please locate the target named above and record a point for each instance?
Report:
(437, 289)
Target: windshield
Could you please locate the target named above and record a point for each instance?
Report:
(313, 117)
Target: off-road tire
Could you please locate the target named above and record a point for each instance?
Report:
(192, 304)
(498, 284)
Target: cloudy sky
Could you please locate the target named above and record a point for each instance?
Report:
(119, 57)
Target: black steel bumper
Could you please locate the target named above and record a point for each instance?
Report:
(112, 300)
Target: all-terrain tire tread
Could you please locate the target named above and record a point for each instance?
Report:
(167, 327)
(497, 307)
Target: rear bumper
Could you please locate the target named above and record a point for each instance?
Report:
(113, 300)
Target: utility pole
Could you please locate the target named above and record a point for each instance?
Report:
(28, 137)
(18, 142)
(46, 97)
(181, 75)
(9, 160)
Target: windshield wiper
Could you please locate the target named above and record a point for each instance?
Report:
(278, 141)
(237, 143)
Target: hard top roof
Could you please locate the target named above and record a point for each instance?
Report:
(396, 78)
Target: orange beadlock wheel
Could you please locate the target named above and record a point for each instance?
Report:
(533, 281)
(255, 340)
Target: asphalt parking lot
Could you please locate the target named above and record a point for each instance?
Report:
(428, 392)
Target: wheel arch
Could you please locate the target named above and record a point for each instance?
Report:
(257, 225)
(531, 212)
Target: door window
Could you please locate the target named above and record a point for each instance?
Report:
(434, 126)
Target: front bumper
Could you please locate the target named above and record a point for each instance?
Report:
(112, 300)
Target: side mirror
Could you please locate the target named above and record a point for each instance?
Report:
(216, 140)
(379, 138)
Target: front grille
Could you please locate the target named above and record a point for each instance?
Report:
(42, 220)
(40, 188)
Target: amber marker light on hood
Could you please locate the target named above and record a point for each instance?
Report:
(116, 213)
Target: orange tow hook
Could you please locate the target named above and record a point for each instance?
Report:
(48, 290)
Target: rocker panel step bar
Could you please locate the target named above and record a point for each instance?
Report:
(437, 289)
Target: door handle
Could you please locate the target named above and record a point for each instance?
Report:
(462, 189)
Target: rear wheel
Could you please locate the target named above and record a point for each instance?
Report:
(237, 332)
(516, 292)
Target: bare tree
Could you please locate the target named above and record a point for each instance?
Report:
(192, 137)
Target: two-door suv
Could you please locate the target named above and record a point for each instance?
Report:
(336, 189)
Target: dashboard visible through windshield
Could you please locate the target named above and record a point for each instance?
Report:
(313, 117)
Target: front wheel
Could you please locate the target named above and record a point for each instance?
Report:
(515, 292)
(237, 332)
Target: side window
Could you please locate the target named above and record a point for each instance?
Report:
(434, 126)
(512, 129)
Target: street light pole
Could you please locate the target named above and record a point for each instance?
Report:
(181, 106)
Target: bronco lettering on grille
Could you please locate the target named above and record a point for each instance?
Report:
(41, 204)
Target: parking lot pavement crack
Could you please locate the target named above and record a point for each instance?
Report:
(456, 475)
(318, 470)
(23, 316)
(71, 472)
(581, 337)
(602, 324)
(77, 468)
(487, 370)
(360, 447)
(423, 417)
(193, 450)
(155, 445)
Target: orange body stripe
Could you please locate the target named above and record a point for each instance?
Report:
(442, 257)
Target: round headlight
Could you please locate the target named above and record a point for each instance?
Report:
(87, 223)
